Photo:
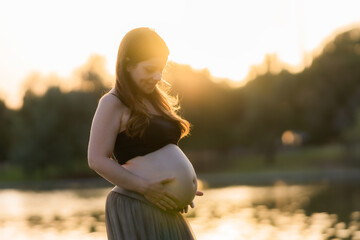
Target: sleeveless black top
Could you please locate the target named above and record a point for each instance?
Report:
(160, 132)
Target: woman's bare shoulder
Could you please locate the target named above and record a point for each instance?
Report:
(112, 102)
(110, 107)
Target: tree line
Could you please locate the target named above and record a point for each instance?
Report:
(49, 133)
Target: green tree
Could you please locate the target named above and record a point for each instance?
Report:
(328, 92)
(52, 132)
(5, 132)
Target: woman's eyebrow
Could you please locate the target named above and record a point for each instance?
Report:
(152, 67)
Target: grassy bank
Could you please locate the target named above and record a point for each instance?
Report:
(303, 163)
(326, 163)
(306, 158)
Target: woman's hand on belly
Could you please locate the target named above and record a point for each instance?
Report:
(192, 205)
(165, 162)
(156, 193)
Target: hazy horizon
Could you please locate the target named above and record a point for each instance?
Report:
(55, 38)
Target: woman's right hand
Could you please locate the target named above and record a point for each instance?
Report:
(157, 194)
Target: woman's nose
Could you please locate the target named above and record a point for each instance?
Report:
(157, 76)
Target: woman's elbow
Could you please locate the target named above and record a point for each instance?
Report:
(93, 162)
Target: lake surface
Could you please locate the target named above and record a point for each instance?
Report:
(281, 211)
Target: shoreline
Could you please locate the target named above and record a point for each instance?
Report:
(209, 180)
(294, 177)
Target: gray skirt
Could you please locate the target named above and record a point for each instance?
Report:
(130, 216)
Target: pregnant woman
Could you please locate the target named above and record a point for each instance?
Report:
(136, 124)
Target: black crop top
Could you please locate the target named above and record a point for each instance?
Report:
(160, 132)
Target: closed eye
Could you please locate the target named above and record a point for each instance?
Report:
(150, 70)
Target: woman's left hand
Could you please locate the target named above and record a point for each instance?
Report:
(185, 210)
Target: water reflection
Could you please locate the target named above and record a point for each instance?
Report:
(238, 212)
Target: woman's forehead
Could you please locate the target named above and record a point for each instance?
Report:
(154, 62)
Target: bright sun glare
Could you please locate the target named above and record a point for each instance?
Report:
(227, 37)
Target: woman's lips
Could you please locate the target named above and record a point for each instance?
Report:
(151, 83)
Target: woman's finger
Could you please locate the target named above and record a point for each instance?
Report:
(170, 201)
(198, 193)
(172, 197)
(192, 205)
(167, 180)
(160, 206)
(165, 205)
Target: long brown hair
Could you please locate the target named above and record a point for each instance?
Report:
(138, 45)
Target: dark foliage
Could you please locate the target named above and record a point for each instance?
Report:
(50, 132)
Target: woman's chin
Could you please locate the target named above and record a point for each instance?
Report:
(148, 91)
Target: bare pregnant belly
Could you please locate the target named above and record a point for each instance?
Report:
(169, 161)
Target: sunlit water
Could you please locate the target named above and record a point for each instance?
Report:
(238, 212)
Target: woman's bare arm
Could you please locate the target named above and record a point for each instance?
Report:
(104, 129)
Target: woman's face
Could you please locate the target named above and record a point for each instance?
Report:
(147, 74)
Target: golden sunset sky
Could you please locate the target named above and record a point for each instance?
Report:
(227, 37)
